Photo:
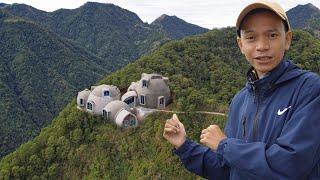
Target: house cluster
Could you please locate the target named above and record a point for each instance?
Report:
(151, 91)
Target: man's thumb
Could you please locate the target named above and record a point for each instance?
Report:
(174, 116)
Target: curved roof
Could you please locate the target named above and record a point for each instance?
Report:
(114, 106)
(133, 86)
(83, 97)
(84, 94)
(151, 76)
(156, 85)
(121, 115)
(99, 90)
(128, 94)
(100, 101)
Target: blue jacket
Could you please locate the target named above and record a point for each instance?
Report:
(273, 131)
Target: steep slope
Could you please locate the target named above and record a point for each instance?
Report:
(107, 30)
(177, 28)
(305, 17)
(39, 73)
(203, 75)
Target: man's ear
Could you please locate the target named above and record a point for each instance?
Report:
(239, 44)
(288, 39)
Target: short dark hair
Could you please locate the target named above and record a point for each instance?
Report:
(260, 10)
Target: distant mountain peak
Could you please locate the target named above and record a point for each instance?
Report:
(300, 15)
(109, 10)
(308, 8)
(165, 17)
(311, 6)
(24, 8)
(177, 28)
(90, 3)
(21, 5)
(3, 5)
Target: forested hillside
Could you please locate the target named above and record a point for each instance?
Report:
(39, 73)
(107, 30)
(204, 71)
(46, 57)
(305, 51)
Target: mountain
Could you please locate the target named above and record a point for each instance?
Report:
(47, 56)
(176, 28)
(301, 15)
(106, 30)
(2, 5)
(305, 17)
(39, 74)
(204, 73)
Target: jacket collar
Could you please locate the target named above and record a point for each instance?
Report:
(285, 71)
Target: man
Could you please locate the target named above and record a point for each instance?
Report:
(273, 127)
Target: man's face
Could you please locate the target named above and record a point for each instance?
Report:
(263, 41)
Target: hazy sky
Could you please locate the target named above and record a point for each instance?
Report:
(205, 13)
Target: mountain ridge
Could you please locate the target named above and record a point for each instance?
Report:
(70, 24)
(2, 4)
(306, 17)
(300, 15)
(111, 24)
(177, 28)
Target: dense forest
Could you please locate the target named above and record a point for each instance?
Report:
(205, 72)
(107, 30)
(39, 73)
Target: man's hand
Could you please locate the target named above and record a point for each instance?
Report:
(212, 136)
(174, 132)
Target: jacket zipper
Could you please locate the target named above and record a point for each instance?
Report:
(244, 126)
(255, 121)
